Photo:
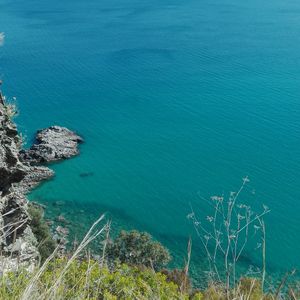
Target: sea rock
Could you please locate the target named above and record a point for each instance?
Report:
(52, 144)
(61, 238)
(62, 231)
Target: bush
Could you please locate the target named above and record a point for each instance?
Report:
(89, 280)
(41, 231)
(180, 278)
(138, 248)
(251, 288)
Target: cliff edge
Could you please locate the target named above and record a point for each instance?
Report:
(20, 171)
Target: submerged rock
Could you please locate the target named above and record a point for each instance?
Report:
(52, 144)
(58, 203)
(63, 231)
(86, 174)
(62, 219)
(61, 238)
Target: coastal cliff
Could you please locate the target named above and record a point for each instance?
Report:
(20, 172)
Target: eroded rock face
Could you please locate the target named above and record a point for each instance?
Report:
(14, 172)
(52, 144)
(11, 170)
(17, 243)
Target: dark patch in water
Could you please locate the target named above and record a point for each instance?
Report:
(86, 174)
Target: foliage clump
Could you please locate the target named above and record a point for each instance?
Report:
(179, 277)
(41, 231)
(83, 279)
(138, 248)
(87, 279)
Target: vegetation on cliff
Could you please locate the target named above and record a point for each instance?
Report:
(46, 243)
(86, 278)
(80, 275)
(138, 248)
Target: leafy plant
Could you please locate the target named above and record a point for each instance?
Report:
(87, 279)
(138, 248)
(41, 231)
(179, 277)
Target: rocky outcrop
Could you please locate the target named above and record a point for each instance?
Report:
(52, 144)
(19, 173)
(17, 242)
(11, 170)
(34, 177)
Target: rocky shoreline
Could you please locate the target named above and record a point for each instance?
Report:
(20, 172)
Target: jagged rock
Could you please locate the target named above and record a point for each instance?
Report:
(18, 246)
(61, 238)
(52, 144)
(22, 253)
(35, 175)
(18, 243)
(11, 170)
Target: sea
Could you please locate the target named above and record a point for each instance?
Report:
(177, 101)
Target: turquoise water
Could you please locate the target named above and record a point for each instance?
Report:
(176, 100)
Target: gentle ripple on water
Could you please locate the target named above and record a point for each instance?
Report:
(174, 100)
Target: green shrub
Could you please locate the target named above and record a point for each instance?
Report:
(180, 278)
(197, 296)
(88, 280)
(138, 248)
(13, 284)
(251, 288)
(214, 292)
(41, 231)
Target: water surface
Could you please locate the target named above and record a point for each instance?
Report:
(176, 100)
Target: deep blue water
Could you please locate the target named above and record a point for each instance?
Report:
(176, 100)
